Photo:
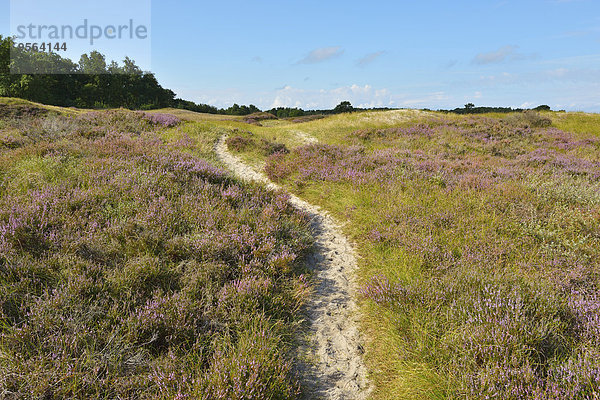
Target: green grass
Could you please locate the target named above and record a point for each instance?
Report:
(477, 224)
(60, 110)
(518, 226)
(131, 266)
(578, 122)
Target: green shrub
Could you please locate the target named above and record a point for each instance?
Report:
(240, 143)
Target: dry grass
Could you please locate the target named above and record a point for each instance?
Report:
(477, 234)
(133, 267)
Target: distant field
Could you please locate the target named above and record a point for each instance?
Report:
(479, 238)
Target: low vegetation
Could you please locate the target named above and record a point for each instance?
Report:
(479, 238)
(245, 141)
(133, 267)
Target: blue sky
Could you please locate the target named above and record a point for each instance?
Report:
(416, 54)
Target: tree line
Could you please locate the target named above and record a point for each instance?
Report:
(48, 78)
(470, 108)
(90, 83)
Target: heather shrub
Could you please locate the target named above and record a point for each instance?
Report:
(8, 111)
(240, 143)
(113, 121)
(264, 376)
(249, 369)
(51, 127)
(163, 120)
(38, 127)
(245, 142)
(528, 119)
(306, 118)
(11, 141)
(368, 134)
(255, 118)
(131, 268)
(537, 120)
(506, 338)
(480, 244)
(269, 148)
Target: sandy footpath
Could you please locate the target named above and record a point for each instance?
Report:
(332, 366)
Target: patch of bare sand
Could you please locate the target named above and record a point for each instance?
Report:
(331, 364)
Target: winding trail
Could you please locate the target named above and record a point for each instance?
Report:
(331, 364)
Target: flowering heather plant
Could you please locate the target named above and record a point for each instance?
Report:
(164, 120)
(8, 111)
(490, 229)
(269, 148)
(124, 260)
(94, 124)
(116, 121)
(240, 143)
(244, 141)
(505, 339)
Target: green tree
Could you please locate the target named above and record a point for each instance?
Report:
(5, 45)
(94, 63)
(343, 107)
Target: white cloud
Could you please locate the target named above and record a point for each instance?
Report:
(328, 98)
(363, 96)
(556, 75)
(558, 72)
(451, 64)
(321, 54)
(369, 58)
(430, 100)
(500, 55)
(503, 54)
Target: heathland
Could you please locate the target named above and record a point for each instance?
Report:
(478, 237)
(133, 265)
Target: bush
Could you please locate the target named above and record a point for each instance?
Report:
(269, 148)
(529, 119)
(536, 120)
(240, 143)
